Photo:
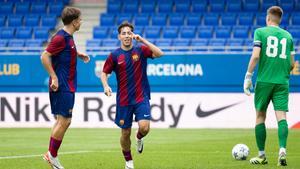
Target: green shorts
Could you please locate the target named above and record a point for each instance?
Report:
(265, 92)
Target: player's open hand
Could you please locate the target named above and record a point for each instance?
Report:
(107, 91)
(248, 83)
(54, 84)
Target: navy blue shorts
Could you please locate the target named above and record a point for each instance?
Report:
(62, 103)
(124, 115)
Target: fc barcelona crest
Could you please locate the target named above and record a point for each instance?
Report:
(135, 57)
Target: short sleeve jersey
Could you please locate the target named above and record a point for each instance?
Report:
(276, 49)
(64, 59)
(131, 73)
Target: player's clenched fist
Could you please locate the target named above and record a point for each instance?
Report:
(54, 84)
(107, 91)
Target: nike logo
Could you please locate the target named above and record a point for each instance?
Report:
(120, 62)
(202, 113)
(73, 47)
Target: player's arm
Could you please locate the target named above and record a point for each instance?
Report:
(83, 56)
(46, 61)
(104, 79)
(156, 52)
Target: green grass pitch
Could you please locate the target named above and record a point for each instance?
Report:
(164, 149)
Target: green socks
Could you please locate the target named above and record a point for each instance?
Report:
(260, 134)
(283, 132)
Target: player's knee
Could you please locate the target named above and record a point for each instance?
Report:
(144, 129)
(126, 133)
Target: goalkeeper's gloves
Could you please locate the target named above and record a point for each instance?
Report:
(248, 83)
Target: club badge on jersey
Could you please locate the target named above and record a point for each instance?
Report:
(135, 57)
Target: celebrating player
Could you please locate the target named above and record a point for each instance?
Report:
(129, 62)
(60, 59)
(274, 51)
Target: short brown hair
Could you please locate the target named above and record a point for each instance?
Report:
(275, 12)
(69, 14)
(125, 24)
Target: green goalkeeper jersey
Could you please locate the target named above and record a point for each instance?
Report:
(275, 56)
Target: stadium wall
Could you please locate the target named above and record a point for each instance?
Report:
(189, 91)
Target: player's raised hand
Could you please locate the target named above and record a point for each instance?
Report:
(84, 57)
(107, 91)
(248, 83)
(54, 84)
(136, 37)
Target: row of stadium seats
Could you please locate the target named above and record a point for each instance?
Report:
(41, 33)
(195, 19)
(188, 32)
(221, 44)
(28, 7)
(28, 20)
(19, 45)
(161, 6)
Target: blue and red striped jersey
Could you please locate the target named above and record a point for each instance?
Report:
(131, 72)
(64, 60)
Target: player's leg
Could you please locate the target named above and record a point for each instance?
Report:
(61, 105)
(123, 119)
(263, 93)
(142, 116)
(280, 102)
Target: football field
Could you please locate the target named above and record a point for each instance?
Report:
(164, 149)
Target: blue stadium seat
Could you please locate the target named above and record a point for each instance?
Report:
(41, 33)
(211, 19)
(251, 5)
(22, 7)
(2, 20)
(261, 19)
(205, 31)
(165, 7)
(6, 8)
(188, 32)
(3, 45)
(217, 5)
(294, 32)
(33, 45)
(124, 17)
(164, 43)
(131, 8)
(56, 8)
(181, 44)
(200, 43)
(182, 7)
(101, 32)
(285, 21)
(148, 7)
(24, 33)
(114, 7)
(93, 43)
(15, 20)
(141, 20)
(193, 19)
(32, 20)
(39, 7)
(199, 6)
(248, 44)
(139, 30)
(16, 45)
(114, 33)
(159, 20)
(246, 19)
(296, 19)
(223, 31)
(267, 4)
(153, 32)
(240, 31)
(107, 19)
(170, 32)
(176, 20)
(49, 21)
(217, 44)
(229, 19)
(234, 6)
(252, 30)
(7, 33)
(287, 5)
(235, 44)
(110, 42)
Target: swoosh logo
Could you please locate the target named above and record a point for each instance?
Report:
(202, 113)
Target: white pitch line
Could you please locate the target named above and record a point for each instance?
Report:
(39, 155)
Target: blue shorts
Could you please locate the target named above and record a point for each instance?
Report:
(62, 103)
(124, 115)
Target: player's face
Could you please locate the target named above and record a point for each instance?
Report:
(77, 23)
(125, 37)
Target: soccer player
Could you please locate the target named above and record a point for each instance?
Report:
(60, 59)
(129, 62)
(274, 52)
